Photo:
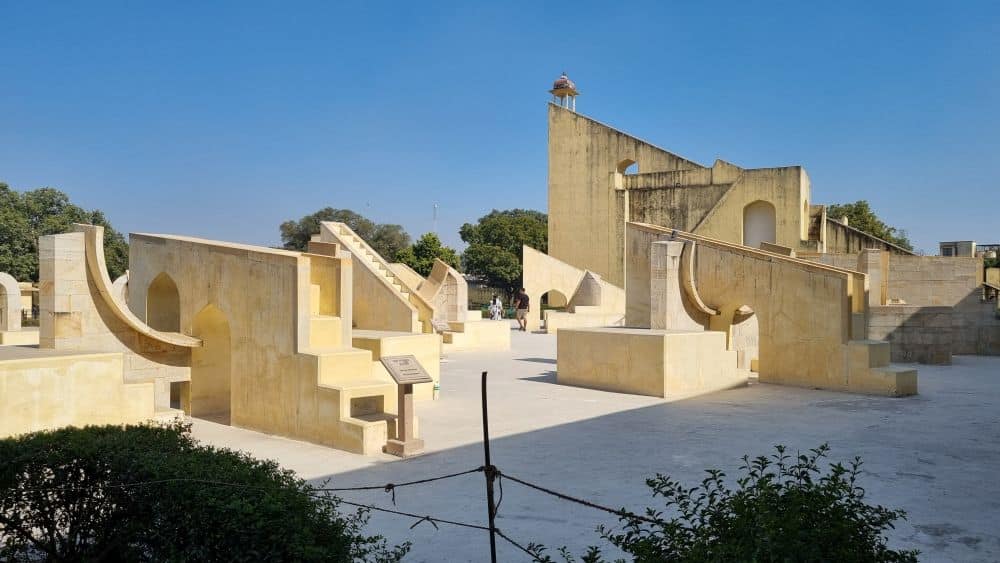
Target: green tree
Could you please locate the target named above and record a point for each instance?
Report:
(421, 255)
(495, 245)
(387, 239)
(152, 493)
(861, 216)
(46, 211)
(784, 508)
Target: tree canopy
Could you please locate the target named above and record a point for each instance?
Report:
(495, 245)
(861, 216)
(421, 255)
(46, 211)
(387, 239)
(152, 493)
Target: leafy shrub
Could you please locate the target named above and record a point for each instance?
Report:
(784, 509)
(151, 493)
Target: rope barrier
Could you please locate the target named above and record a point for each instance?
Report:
(534, 556)
(420, 518)
(388, 487)
(620, 512)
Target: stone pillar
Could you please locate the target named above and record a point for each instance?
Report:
(870, 262)
(534, 315)
(666, 289)
(63, 284)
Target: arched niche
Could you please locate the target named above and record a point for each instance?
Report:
(759, 224)
(10, 303)
(211, 366)
(163, 304)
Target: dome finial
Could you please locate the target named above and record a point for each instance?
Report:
(564, 92)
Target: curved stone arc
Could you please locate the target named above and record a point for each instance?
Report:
(13, 310)
(687, 279)
(94, 243)
(120, 286)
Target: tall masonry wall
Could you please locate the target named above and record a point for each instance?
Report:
(585, 214)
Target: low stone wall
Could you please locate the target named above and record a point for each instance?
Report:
(976, 329)
(44, 389)
(917, 334)
(660, 363)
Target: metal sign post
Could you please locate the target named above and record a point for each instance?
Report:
(406, 371)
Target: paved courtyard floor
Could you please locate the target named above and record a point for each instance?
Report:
(936, 455)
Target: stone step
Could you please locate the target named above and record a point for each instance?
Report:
(167, 414)
(865, 354)
(894, 381)
(325, 331)
(341, 366)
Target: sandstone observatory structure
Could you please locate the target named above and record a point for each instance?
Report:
(244, 335)
(738, 294)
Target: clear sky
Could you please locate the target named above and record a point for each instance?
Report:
(222, 120)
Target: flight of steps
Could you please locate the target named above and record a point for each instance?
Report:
(374, 262)
(475, 333)
(869, 370)
(348, 384)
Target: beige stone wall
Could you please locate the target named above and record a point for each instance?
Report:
(934, 280)
(682, 207)
(806, 312)
(380, 300)
(264, 298)
(916, 333)
(787, 189)
(921, 330)
(993, 276)
(74, 317)
(843, 239)
(585, 215)
(44, 390)
(271, 334)
(591, 298)
(10, 303)
(668, 364)
(446, 291)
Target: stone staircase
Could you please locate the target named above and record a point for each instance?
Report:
(869, 370)
(371, 260)
(348, 386)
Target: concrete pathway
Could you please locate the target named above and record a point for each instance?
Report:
(935, 455)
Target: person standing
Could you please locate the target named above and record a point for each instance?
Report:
(496, 308)
(521, 305)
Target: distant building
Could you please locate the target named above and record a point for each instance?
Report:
(958, 248)
(969, 248)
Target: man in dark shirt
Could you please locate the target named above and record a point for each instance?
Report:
(521, 304)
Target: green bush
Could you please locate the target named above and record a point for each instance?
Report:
(151, 493)
(783, 509)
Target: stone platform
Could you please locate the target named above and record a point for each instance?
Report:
(23, 337)
(426, 348)
(672, 364)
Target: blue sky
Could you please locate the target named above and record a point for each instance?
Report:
(222, 120)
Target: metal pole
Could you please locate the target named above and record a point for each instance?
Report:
(490, 473)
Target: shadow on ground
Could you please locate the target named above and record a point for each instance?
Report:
(933, 455)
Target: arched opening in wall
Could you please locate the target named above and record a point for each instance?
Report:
(211, 367)
(552, 300)
(7, 308)
(628, 166)
(163, 304)
(759, 224)
(745, 335)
